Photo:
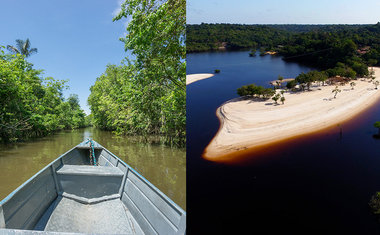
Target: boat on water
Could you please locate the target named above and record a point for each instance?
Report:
(89, 190)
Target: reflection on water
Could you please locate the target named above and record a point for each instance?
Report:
(163, 166)
(310, 184)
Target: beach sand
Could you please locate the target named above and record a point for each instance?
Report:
(246, 124)
(196, 77)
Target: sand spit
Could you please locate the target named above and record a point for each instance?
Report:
(190, 78)
(247, 123)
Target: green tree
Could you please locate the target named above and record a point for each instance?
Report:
(156, 37)
(376, 83)
(375, 203)
(377, 125)
(291, 84)
(22, 47)
(31, 106)
(73, 100)
(336, 91)
(352, 84)
(276, 97)
(280, 79)
(305, 79)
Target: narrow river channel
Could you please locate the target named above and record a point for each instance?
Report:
(163, 166)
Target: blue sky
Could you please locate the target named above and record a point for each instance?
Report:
(283, 11)
(75, 39)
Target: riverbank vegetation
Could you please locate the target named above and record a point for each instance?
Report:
(30, 105)
(207, 37)
(146, 96)
(256, 92)
(341, 50)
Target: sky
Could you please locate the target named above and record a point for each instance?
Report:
(75, 39)
(283, 11)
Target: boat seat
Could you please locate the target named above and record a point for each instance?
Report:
(89, 184)
(89, 170)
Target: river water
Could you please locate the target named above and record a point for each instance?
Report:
(163, 166)
(314, 184)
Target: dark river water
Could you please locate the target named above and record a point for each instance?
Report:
(319, 183)
(163, 166)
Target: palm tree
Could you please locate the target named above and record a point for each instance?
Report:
(336, 91)
(352, 84)
(22, 47)
(281, 79)
(376, 83)
(278, 84)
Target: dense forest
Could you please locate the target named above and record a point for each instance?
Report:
(146, 96)
(289, 40)
(206, 37)
(325, 49)
(30, 105)
(341, 50)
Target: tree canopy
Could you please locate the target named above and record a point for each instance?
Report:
(323, 46)
(146, 96)
(32, 106)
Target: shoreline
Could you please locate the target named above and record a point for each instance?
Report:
(190, 78)
(246, 124)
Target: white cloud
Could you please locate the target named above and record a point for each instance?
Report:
(116, 11)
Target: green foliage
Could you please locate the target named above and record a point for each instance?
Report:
(252, 53)
(205, 37)
(376, 83)
(306, 79)
(336, 91)
(119, 103)
(352, 84)
(323, 46)
(31, 106)
(156, 36)
(22, 47)
(146, 96)
(377, 125)
(276, 97)
(255, 91)
(291, 84)
(341, 70)
(88, 120)
(374, 203)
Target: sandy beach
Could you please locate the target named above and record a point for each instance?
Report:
(190, 78)
(248, 123)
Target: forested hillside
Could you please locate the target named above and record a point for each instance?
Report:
(30, 105)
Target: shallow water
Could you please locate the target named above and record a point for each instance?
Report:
(318, 183)
(163, 166)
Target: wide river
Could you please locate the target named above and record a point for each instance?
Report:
(315, 184)
(163, 166)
